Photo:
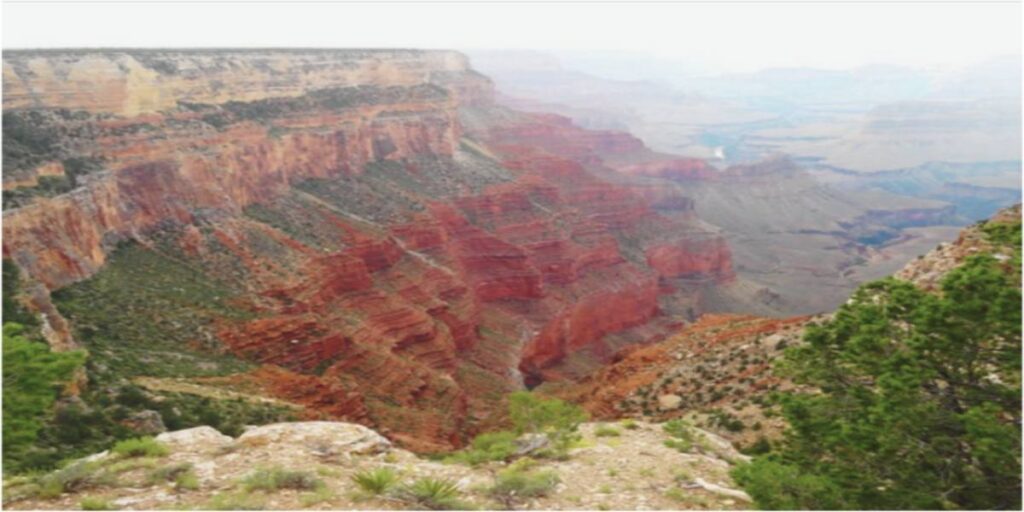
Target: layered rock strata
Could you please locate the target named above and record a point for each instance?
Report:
(387, 245)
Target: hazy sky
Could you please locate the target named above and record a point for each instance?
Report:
(718, 37)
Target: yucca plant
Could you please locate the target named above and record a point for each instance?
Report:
(433, 493)
(376, 481)
(514, 485)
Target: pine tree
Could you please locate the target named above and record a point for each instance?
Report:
(916, 401)
(32, 377)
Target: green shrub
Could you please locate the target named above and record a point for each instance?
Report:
(678, 428)
(76, 167)
(488, 447)
(32, 379)
(375, 482)
(1004, 233)
(317, 496)
(727, 421)
(77, 476)
(682, 435)
(182, 475)
(514, 485)
(126, 465)
(277, 478)
(629, 424)
(433, 494)
(89, 503)
(234, 501)
(777, 486)
(681, 496)
(523, 464)
(557, 419)
(14, 311)
(759, 447)
(676, 494)
(606, 431)
(140, 447)
(16, 488)
(169, 473)
(187, 481)
(1007, 234)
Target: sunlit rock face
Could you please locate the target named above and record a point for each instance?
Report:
(385, 244)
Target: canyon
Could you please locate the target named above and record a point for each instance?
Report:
(382, 237)
(364, 234)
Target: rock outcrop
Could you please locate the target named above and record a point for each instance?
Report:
(928, 270)
(318, 438)
(632, 471)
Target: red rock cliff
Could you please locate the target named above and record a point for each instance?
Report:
(404, 247)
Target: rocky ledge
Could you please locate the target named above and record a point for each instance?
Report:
(614, 466)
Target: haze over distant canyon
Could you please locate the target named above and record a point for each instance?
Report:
(859, 170)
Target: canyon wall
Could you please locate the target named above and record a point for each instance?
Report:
(134, 82)
(364, 225)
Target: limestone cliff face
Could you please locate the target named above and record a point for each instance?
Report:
(396, 248)
(134, 82)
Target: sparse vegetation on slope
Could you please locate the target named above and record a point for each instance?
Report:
(76, 476)
(139, 316)
(144, 313)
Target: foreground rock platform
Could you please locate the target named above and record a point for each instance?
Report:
(631, 470)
